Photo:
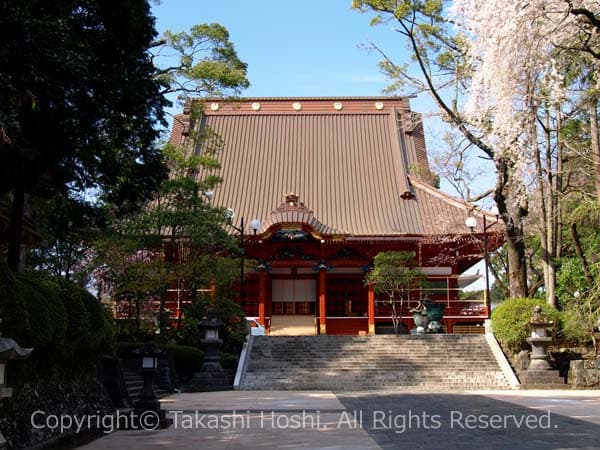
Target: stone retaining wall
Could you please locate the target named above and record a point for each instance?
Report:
(55, 392)
(585, 373)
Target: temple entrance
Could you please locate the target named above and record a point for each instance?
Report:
(293, 297)
(293, 306)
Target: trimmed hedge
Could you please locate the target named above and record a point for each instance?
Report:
(68, 328)
(90, 325)
(15, 318)
(510, 318)
(46, 313)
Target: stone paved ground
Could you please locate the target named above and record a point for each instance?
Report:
(494, 420)
(363, 421)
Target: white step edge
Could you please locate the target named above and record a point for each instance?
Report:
(510, 376)
(243, 362)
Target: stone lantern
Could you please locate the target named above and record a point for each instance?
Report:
(211, 375)
(9, 350)
(539, 340)
(540, 373)
(211, 343)
(147, 407)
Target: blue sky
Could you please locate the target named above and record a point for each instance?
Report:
(292, 48)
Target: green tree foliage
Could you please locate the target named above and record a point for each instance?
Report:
(395, 274)
(133, 268)
(78, 103)
(179, 239)
(233, 331)
(69, 227)
(199, 63)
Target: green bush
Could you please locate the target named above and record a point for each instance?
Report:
(101, 324)
(510, 318)
(187, 359)
(49, 313)
(13, 312)
(233, 332)
(90, 326)
(78, 332)
(46, 312)
(574, 331)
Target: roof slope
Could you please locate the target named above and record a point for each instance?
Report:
(348, 159)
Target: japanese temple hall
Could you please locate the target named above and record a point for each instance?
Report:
(325, 184)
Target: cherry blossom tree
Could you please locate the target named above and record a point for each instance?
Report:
(501, 73)
(518, 89)
(439, 67)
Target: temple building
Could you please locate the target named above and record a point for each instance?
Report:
(320, 186)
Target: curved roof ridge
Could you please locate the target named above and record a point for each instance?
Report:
(295, 211)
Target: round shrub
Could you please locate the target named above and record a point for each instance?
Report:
(510, 318)
(79, 320)
(90, 327)
(187, 359)
(102, 329)
(46, 312)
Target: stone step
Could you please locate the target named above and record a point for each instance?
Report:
(435, 362)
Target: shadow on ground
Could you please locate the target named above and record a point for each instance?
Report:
(454, 421)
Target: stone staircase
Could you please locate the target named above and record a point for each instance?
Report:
(338, 363)
(134, 383)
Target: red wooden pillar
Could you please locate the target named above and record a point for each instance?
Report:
(322, 306)
(262, 294)
(371, 308)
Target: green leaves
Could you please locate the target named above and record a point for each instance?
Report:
(395, 274)
(510, 318)
(200, 63)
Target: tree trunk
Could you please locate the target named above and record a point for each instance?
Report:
(547, 202)
(15, 257)
(558, 181)
(517, 264)
(542, 197)
(515, 242)
(579, 250)
(593, 110)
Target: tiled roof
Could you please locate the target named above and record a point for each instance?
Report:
(348, 159)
